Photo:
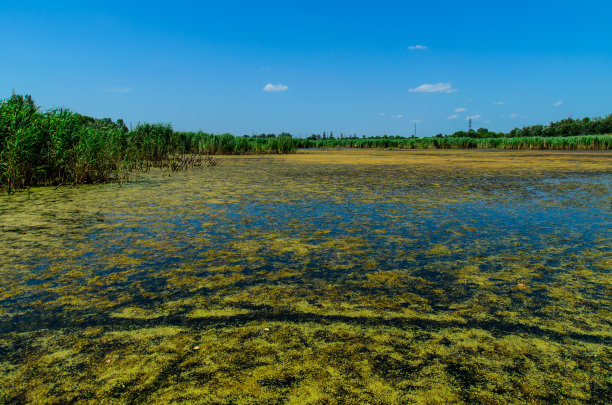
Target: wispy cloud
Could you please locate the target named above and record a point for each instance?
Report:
(460, 109)
(416, 47)
(415, 121)
(274, 88)
(498, 103)
(558, 103)
(382, 114)
(434, 88)
(396, 117)
(117, 89)
(514, 115)
(452, 117)
(473, 117)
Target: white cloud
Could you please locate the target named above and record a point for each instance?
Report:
(473, 117)
(417, 47)
(382, 114)
(415, 121)
(487, 122)
(274, 88)
(396, 117)
(514, 115)
(461, 109)
(452, 117)
(498, 103)
(117, 89)
(558, 103)
(434, 88)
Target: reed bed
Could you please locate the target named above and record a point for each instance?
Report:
(226, 144)
(583, 142)
(59, 147)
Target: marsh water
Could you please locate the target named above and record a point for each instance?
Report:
(320, 277)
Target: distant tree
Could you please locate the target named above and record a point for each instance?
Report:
(460, 134)
(121, 125)
(482, 133)
(514, 133)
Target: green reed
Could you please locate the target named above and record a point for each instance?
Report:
(55, 147)
(226, 144)
(583, 142)
(59, 146)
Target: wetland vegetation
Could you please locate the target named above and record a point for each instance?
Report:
(582, 142)
(354, 276)
(61, 147)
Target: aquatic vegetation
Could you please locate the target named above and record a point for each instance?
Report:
(61, 147)
(419, 277)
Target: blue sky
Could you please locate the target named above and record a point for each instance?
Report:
(307, 67)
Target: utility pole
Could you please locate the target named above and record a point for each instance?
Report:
(414, 130)
(470, 124)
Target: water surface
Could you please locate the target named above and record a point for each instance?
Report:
(321, 277)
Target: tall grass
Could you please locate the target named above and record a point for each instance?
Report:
(59, 146)
(55, 147)
(62, 147)
(583, 142)
(226, 144)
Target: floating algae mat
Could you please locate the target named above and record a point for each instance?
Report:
(321, 277)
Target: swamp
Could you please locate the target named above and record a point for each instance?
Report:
(321, 277)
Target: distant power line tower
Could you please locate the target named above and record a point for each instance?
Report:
(470, 124)
(414, 130)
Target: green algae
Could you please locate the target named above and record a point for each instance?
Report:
(344, 277)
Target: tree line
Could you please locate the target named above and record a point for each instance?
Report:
(564, 127)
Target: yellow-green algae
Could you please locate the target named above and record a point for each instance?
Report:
(322, 277)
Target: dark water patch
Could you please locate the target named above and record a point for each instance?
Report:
(266, 314)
